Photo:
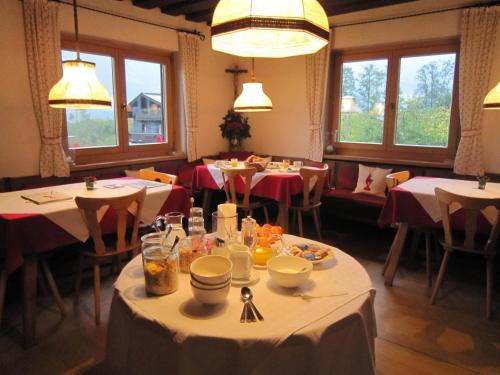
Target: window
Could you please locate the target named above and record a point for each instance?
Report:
(139, 124)
(396, 103)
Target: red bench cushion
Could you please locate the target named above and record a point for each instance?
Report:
(363, 199)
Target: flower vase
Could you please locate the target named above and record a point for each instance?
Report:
(235, 144)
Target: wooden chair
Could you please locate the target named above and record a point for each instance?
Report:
(311, 199)
(229, 176)
(396, 178)
(148, 174)
(472, 208)
(90, 206)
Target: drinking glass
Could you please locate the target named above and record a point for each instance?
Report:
(234, 162)
(196, 212)
(286, 163)
(298, 164)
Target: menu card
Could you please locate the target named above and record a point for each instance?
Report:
(47, 197)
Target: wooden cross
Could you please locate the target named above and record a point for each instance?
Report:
(235, 71)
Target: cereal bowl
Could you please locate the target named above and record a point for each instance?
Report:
(211, 269)
(289, 271)
(211, 296)
(203, 285)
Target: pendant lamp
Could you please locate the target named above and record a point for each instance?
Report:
(269, 28)
(252, 98)
(79, 87)
(492, 100)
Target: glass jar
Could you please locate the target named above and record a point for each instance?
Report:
(189, 249)
(196, 212)
(160, 269)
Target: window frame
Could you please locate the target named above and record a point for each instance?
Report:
(389, 149)
(123, 151)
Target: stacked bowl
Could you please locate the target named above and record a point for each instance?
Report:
(211, 279)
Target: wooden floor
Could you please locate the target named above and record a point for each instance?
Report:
(452, 337)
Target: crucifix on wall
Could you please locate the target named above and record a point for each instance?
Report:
(235, 71)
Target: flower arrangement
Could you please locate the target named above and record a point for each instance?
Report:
(482, 180)
(235, 128)
(89, 182)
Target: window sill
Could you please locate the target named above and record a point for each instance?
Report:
(84, 167)
(369, 159)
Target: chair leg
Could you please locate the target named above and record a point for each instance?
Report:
(428, 258)
(52, 285)
(489, 285)
(293, 225)
(3, 286)
(97, 292)
(440, 276)
(78, 280)
(266, 214)
(317, 224)
(301, 229)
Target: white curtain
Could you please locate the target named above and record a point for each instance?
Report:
(43, 50)
(189, 60)
(316, 79)
(478, 30)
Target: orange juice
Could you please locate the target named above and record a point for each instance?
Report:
(262, 254)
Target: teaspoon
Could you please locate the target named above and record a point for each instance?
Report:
(247, 295)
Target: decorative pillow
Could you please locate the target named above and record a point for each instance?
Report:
(346, 177)
(135, 172)
(207, 161)
(371, 180)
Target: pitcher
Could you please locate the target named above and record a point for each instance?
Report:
(242, 260)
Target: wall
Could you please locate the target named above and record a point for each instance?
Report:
(19, 144)
(284, 130)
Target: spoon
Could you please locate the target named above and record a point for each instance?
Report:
(163, 239)
(247, 295)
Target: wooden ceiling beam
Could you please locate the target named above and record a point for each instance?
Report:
(187, 7)
(150, 4)
(336, 7)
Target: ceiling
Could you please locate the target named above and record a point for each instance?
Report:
(202, 10)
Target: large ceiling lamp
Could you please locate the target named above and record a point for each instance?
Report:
(269, 28)
(252, 98)
(492, 100)
(79, 87)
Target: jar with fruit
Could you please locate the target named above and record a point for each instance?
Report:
(269, 243)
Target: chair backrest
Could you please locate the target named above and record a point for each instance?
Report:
(396, 178)
(230, 175)
(472, 207)
(90, 206)
(307, 173)
(148, 174)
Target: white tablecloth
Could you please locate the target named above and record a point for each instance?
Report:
(175, 334)
(423, 191)
(66, 214)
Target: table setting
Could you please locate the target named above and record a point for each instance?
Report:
(302, 290)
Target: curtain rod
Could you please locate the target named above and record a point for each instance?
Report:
(485, 4)
(195, 32)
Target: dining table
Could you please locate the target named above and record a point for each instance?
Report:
(278, 184)
(28, 229)
(325, 326)
(414, 204)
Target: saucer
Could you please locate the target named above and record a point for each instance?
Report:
(254, 277)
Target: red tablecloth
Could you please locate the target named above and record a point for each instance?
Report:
(22, 234)
(277, 186)
(402, 207)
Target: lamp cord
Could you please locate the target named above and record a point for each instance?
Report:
(75, 18)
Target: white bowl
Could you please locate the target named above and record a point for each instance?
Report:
(289, 271)
(211, 296)
(202, 285)
(211, 269)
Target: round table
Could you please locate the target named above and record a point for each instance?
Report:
(175, 334)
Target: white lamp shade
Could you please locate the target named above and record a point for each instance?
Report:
(348, 104)
(269, 28)
(492, 100)
(253, 99)
(79, 88)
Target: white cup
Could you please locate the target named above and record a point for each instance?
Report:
(298, 164)
(242, 260)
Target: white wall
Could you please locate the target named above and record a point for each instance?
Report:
(284, 130)
(19, 141)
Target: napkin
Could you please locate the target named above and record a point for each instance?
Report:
(227, 221)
